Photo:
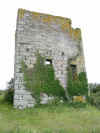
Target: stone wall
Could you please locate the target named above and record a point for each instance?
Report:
(54, 38)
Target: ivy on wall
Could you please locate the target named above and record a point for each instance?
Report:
(78, 85)
(41, 78)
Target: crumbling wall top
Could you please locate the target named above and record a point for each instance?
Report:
(65, 23)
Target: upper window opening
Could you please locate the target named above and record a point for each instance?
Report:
(48, 61)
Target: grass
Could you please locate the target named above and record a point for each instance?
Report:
(49, 119)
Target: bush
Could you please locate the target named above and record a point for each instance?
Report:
(94, 99)
(9, 93)
(8, 96)
(94, 87)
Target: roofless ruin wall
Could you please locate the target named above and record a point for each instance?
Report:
(55, 39)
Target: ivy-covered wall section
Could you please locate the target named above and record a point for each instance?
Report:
(77, 84)
(41, 78)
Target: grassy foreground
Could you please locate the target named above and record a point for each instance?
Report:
(49, 119)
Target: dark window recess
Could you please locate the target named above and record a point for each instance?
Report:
(74, 71)
(27, 49)
(62, 53)
(48, 61)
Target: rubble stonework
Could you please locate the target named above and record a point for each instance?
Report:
(55, 39)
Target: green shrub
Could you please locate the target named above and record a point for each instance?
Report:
(41, 78)
(94, 99)
(9, 93)
(94, 87)
(77, 86)
(8, 96)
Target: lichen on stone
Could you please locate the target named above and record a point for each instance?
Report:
(49, 19)
(65, 27)
(77, 34)
(21, 13)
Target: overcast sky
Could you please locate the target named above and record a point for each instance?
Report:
(85, 14)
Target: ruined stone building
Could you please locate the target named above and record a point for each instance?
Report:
(54, 38)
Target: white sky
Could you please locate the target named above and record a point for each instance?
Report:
(84, 14)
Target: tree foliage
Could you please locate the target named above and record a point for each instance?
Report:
(9, 93)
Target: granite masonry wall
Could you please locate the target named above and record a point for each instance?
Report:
(54, 38)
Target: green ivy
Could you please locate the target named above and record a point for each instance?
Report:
(78, 85)
(41, 78)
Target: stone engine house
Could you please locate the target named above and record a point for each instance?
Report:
(55, 39)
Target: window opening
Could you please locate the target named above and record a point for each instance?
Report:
(74, 71)
(48, 61)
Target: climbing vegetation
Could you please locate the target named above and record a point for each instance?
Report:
(77, 85)
(41, 79)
